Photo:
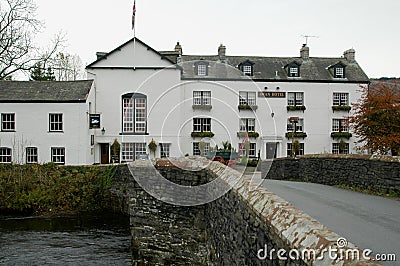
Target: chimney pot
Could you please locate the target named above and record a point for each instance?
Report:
(178, 48)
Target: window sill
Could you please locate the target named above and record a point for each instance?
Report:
(10, 131)
(202, 107)
(341, 135)
(133, 134)
(289, 135)
(296, 108)
(59, 132)
(247, 107)
(345, 108)
(202, 134)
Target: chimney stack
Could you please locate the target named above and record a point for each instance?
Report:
(222, 52)
(350, 55)
(305, 52)
(178, 48)
(100, 54)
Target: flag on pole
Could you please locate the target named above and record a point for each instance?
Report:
(133, 14)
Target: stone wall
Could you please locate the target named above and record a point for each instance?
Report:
(375, 173)
(230, 230)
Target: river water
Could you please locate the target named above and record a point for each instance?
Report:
(84, 240)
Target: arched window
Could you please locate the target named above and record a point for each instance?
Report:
(134, 113)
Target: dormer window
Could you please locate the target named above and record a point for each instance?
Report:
(338, 70)
(293, 70)
(247, 68)
(201, 68)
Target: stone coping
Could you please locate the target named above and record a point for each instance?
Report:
(382, 158)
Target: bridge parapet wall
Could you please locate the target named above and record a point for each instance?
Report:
(230, 230)
(375, 173)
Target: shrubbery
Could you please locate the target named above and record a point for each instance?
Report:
(52, 189)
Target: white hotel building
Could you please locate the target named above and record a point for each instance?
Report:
(140, 94)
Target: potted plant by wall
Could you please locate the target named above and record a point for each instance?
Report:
(296, 148)
(342, 146)
(153, 147)
(115, 149)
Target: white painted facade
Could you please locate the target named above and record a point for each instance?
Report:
(32, 130)
(135, 71)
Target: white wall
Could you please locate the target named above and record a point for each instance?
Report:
(32, 130)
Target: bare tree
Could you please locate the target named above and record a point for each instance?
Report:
(18, 26)
(67, 67)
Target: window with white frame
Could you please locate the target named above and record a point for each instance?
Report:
(58, 155)
(201, 70)
(340, 125)
(196, 148)
(247, 125)
(134, 113)
(56, 122)
(299, 152)
(8, 122)
(295, 98)
(5, 155)
(340, 99)
(252, 150)
(31, 155)
(201, 124)
(132, 151)
(247, 98)
(299, 125)
(339, 72)
(248, 70)
(293, 72)
(165, 150)
(202, 98)
(338, 148)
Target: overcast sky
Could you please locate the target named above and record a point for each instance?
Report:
(247, 27)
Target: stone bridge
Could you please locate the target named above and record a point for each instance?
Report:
(192, 211)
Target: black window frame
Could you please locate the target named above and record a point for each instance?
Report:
(290, 66)
(244, 64)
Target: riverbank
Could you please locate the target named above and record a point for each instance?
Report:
(50, 189)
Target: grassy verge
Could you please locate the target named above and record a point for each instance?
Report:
(51, 189)
(369, 192)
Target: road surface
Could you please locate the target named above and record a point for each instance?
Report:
(367, 221)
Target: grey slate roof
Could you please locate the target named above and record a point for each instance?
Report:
(272, 68)
(45, 91)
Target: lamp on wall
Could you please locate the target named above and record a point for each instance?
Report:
(277, 88)
(103, 131)
(272, 114)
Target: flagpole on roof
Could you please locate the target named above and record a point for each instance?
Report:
(133, 27)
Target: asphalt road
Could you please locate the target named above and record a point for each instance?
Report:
(367, 221)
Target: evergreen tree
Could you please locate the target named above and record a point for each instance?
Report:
(37, 73)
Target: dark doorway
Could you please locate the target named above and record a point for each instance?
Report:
(271, 150)
(105, 153)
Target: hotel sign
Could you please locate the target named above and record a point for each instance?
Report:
(271, 94)
(94, 121)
